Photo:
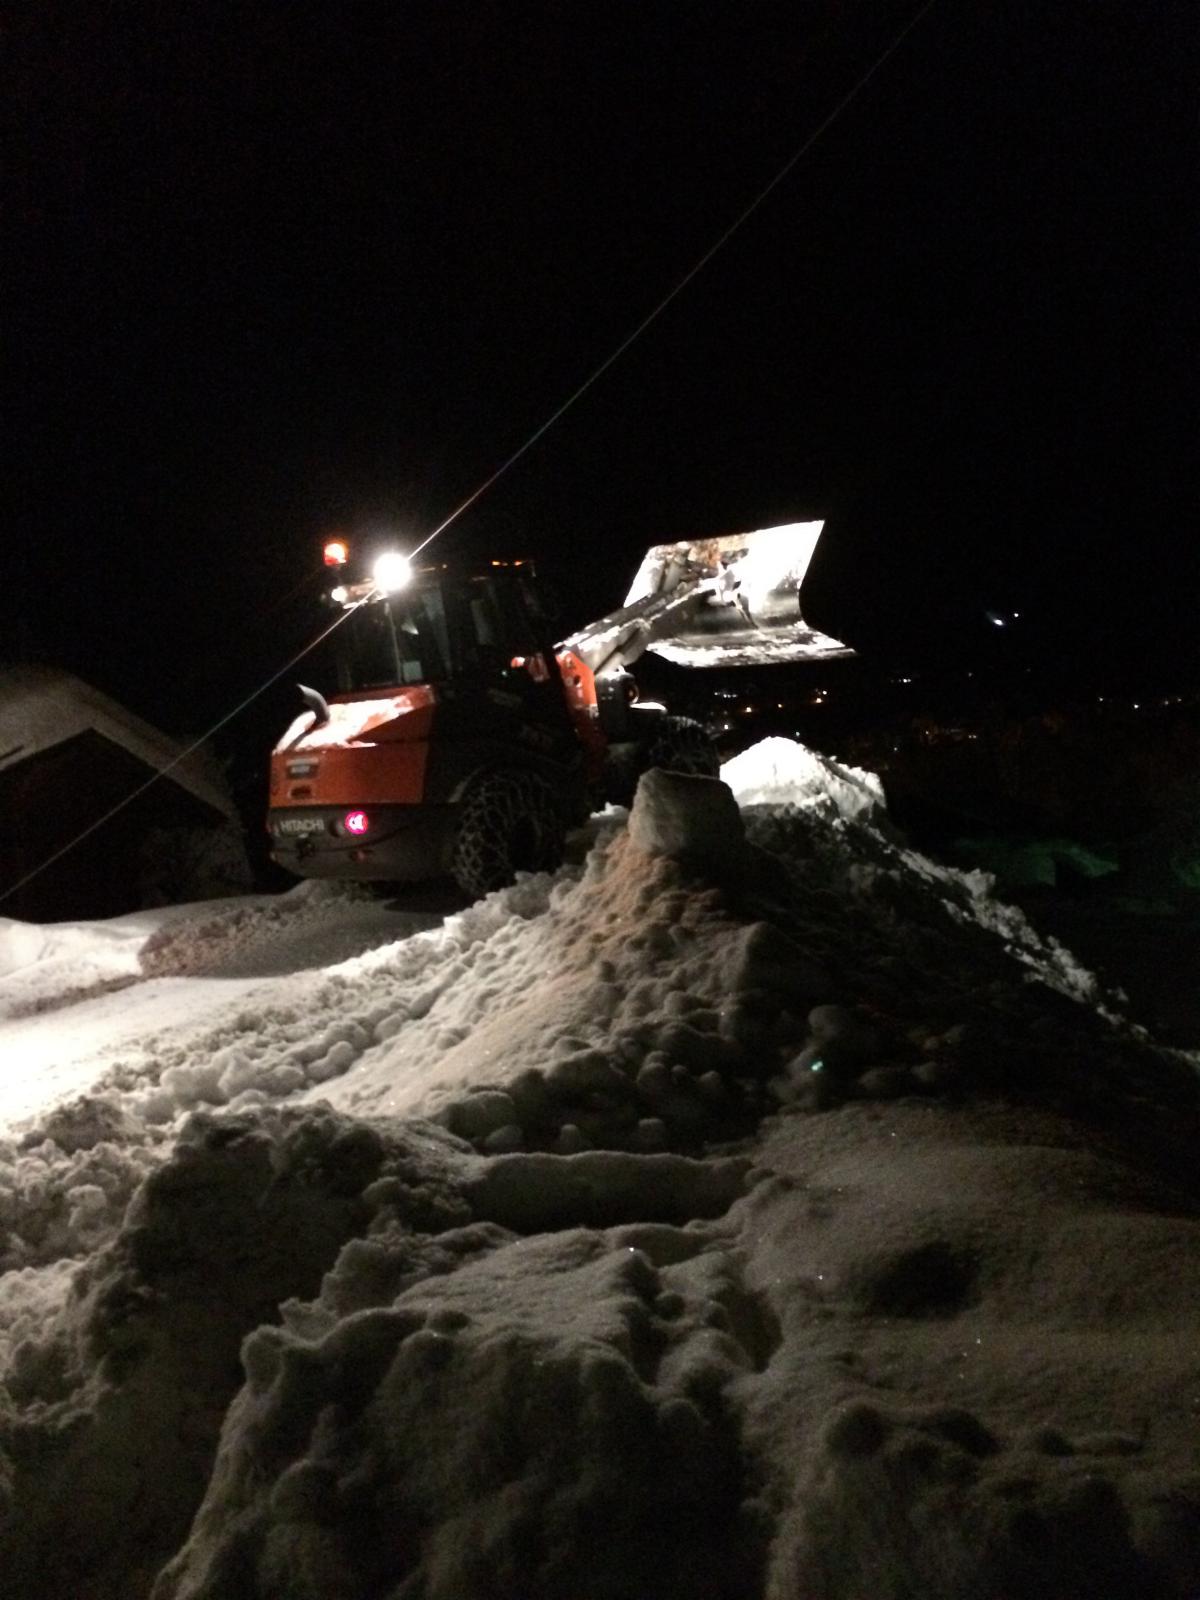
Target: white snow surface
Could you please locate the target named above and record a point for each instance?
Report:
(758, 1209)
(780, 772)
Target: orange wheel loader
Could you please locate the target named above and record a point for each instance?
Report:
(460, 739)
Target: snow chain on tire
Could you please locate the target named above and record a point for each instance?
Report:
(682, 745)
(510, 820)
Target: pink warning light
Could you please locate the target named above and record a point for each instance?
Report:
(356, 822)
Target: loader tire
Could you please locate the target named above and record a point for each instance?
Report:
(681, 745)
(510, 820)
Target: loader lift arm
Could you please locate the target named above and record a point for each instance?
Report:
(618, 639)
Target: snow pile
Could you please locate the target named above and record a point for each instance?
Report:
(637, 1005)
(306, 1032)
(761, 1211)
(89, 1001)
(122, 1391)
(672, 990)
(613, 1347)
(791, 795)
(866, 1365)
(46, 967)
(42, 965)
(985, 1386)
(64, 1186)
(314, 924)
(780, 772)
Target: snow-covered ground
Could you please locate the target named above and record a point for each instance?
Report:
(757, 1210)
(77, 999)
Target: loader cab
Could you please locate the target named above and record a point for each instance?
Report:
(478, 639)
(448, 627)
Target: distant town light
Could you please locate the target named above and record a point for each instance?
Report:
(337, 553)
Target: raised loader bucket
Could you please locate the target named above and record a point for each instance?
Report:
(746, 610)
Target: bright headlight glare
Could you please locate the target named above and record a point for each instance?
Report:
(391, 571)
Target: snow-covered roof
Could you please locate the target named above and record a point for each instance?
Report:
(41, 707)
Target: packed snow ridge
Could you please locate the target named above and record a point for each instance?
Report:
(757, 1210)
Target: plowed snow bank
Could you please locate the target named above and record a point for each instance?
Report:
(774, 1217)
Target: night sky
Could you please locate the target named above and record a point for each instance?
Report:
(280, 270)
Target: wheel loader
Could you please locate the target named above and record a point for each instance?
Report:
(462, 739)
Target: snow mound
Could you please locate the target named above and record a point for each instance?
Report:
(40, 963)
(65, 1186)
(887, 1367)
(984, 1390)
(659, 998)
(651, 1228)
(123, 1387)
(314, 924)
(780, 772)
(619, 1367)
(615, 1017)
